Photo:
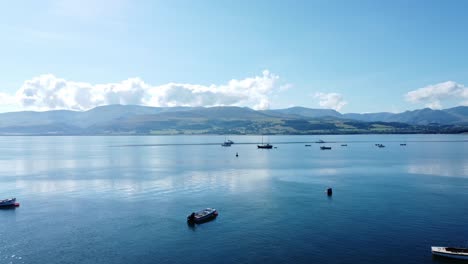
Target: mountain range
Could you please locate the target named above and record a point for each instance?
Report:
(133, 119)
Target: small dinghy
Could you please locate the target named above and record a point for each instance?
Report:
(202, 216)
(8, 203)
(450, 252)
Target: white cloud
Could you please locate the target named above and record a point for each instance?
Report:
(433, 95)
(47, 92)
(331, 100)
(6, 99)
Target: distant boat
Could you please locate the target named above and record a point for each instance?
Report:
(265, 146)
(403, 144)
(325, 148)
(380, 145)
(8, 203)
(227, 143)
(344, 145)
(202, 216)
(320, 141)
(307, 145)
(451, 252)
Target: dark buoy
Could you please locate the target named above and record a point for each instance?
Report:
(237, 155)
(329, 192)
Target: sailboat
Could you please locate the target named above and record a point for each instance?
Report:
(264, 146)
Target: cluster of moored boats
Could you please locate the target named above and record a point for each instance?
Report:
(228, 143)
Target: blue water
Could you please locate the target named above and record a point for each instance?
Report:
(125, 199)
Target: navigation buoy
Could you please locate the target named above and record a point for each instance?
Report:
(329, 191)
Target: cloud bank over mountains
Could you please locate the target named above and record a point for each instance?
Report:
(47, 92)
(333, 101)
(433, 95)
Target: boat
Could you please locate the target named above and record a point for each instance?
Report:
(320, 141)
(324, 148)
(450, 252)
(403, 144)
(265, 146)
(344, 145)
(227, 143)
(380, 145)
(307, 145)
(202, 216)
(8, 203)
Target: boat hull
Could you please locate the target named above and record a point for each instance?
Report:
(202, 219)
(440, 251)
(8, 203)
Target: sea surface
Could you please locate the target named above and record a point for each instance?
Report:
(125, 199)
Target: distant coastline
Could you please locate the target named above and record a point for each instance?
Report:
(125, 120)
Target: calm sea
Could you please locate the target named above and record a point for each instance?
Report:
(125, 199)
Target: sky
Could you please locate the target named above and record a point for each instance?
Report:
(352, 56)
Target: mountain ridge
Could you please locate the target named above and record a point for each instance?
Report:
(135, 119)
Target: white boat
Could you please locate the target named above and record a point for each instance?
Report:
(451, 252)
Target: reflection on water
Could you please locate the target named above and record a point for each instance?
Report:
(98, 203)
(457, 168)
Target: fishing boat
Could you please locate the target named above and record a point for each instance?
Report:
(264, 146)
(202, 216)
(8, 203)
(325, 148)
(450, 252)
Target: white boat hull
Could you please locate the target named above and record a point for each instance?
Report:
(440, 251)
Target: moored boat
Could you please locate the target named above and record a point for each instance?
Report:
(265, 146)
(226, 144)
(8, 203)
(450, 252)
(202, 216)
(325, 148)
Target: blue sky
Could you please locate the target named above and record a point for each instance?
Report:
(353, 56)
